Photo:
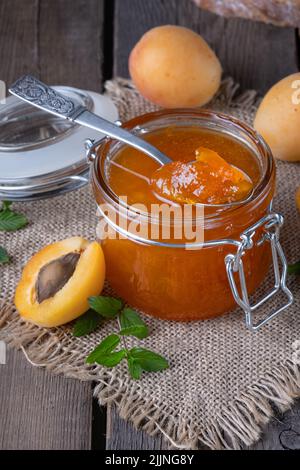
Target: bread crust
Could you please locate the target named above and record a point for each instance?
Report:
(278, 12)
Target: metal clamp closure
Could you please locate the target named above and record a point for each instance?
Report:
(270, 225)
(91, 145)
(90, 149)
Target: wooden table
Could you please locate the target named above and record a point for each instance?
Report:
(82, 43)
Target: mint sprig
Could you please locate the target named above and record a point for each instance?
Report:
(87, 323)
(107, 307)
(106, 346)
(4, 257)
(132, 324)
(138, 359)
(6, 205)
(101, 307)
(105, 353)
(294, 268)
(148, 360)
(134, 367)
(10, 220)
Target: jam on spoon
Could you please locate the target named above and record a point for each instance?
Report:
(207, 180)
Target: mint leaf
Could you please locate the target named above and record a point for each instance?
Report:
(87, 323)
(134, 368)
(132, 324)
(4, 257)
(104, 348)
(9, 220)
(138, 359)
(148, 360)
(108, 307)
(111, 359)
(294, 268)
(137, 331)
(6, 205)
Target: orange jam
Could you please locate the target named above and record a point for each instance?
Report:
(183, 146)
(207, 180)
(169, 281)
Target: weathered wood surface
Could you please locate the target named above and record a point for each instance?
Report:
(62, 41)
(282, 433)
(41, 411)
(71, 42)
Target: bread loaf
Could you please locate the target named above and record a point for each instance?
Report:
(278, 12)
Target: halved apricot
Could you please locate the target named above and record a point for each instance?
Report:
(57, 281)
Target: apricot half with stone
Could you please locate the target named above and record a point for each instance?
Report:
(57, 281)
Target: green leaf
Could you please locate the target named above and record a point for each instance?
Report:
(11, 221)
(104, 348)
(294, 268)
(108, 307)
(86, 324)
(148, 360)
(132, 324)
(137, 331)
(111, 359)
(6, 205)
(4, 257)
(134, 368)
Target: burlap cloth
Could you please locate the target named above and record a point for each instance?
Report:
(224, 382)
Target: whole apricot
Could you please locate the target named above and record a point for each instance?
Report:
(278, 118)
(174, 67)
(57, 281)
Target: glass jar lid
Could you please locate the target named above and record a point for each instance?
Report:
(42, 155)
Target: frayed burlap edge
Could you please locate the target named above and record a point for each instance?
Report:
(236, 426)
(121, 89)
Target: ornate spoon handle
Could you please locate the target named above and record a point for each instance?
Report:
(38, 94)
(34, 92)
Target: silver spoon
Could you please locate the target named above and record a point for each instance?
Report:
(36, 93)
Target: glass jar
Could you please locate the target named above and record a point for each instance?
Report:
(182, 280)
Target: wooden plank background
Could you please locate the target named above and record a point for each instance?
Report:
(81, 43)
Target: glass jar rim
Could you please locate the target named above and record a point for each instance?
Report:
(98, 176)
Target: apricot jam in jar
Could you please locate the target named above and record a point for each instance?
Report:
(177, 277)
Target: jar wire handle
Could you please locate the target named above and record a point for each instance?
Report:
(271, 224)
